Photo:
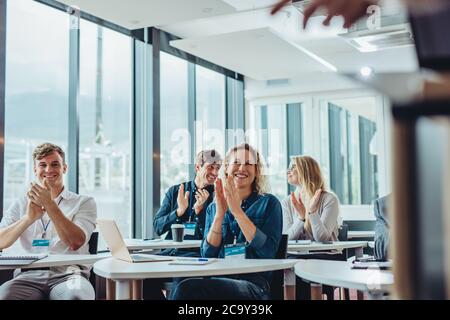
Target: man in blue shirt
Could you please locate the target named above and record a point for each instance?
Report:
(187, 202)
(242, 223)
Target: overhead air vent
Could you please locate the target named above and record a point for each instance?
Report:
(392, 30)
(380, 39)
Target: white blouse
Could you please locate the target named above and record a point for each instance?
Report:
(324, 221)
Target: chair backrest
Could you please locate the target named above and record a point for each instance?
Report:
(93, 243)
(282, 247)
(276, 285)
(343, 233)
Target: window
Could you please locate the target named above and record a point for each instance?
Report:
(36, 88)
(348, 148)
(105, 122)
(269, 135)
(175, 138)
(210, 110)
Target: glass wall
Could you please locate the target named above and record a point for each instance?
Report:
(175, 138)
(105, 106)
(349, 153)
(37, 102)
(36, 89)
(210, 110)
(268, 133)
(341, 135)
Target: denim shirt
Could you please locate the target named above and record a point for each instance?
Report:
(266, 214)
(167, 214)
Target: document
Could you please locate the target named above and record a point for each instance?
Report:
(304, 242)
(193, 261)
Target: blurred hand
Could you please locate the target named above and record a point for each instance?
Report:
(314, 204)
(350, 10)
(182, 201)
(298, 205)
(200, 198)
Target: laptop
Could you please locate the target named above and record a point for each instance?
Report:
(116, 244)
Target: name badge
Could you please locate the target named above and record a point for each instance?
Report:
(189, 228)
(40, 245)
(235, 251)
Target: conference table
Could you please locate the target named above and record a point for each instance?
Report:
(128, 277)
(158, 244)
(375, 282)
(299, 247)
(58, 260)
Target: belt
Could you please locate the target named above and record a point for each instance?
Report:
(31, 269)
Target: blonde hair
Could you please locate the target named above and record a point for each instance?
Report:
(260, 184)
(310, 178)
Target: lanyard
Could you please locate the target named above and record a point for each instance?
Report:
(45, 226)
(191, 208)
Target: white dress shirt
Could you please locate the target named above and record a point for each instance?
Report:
(79, 209)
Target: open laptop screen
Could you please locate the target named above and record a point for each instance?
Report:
(432, 37)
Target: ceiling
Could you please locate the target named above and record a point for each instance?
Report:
(242, 36)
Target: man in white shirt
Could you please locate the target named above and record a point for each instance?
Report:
(49, 219)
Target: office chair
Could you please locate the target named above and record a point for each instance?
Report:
(343, 232)
(93, 247)
(276, 284)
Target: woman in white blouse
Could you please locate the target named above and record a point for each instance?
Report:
(311, 212)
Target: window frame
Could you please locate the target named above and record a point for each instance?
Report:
(311, 131)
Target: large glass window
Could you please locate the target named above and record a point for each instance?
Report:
(105, 122)
(210, 110)
(175, 138)
(348, 148)
(36, 88)
(269, 135)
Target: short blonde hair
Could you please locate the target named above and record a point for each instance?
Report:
(260, 184)
(47, 148)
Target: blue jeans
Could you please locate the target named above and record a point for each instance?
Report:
(218, 289)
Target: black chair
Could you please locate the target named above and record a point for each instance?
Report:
(93, 247)
(343, 233)
(93, 243)
(276, 285)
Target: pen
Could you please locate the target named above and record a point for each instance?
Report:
(188, 259)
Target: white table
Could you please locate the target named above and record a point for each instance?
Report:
(139, 244)
(129, 276)
(57, 260)
(360, 234)
(340, 274)
(337, 245)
